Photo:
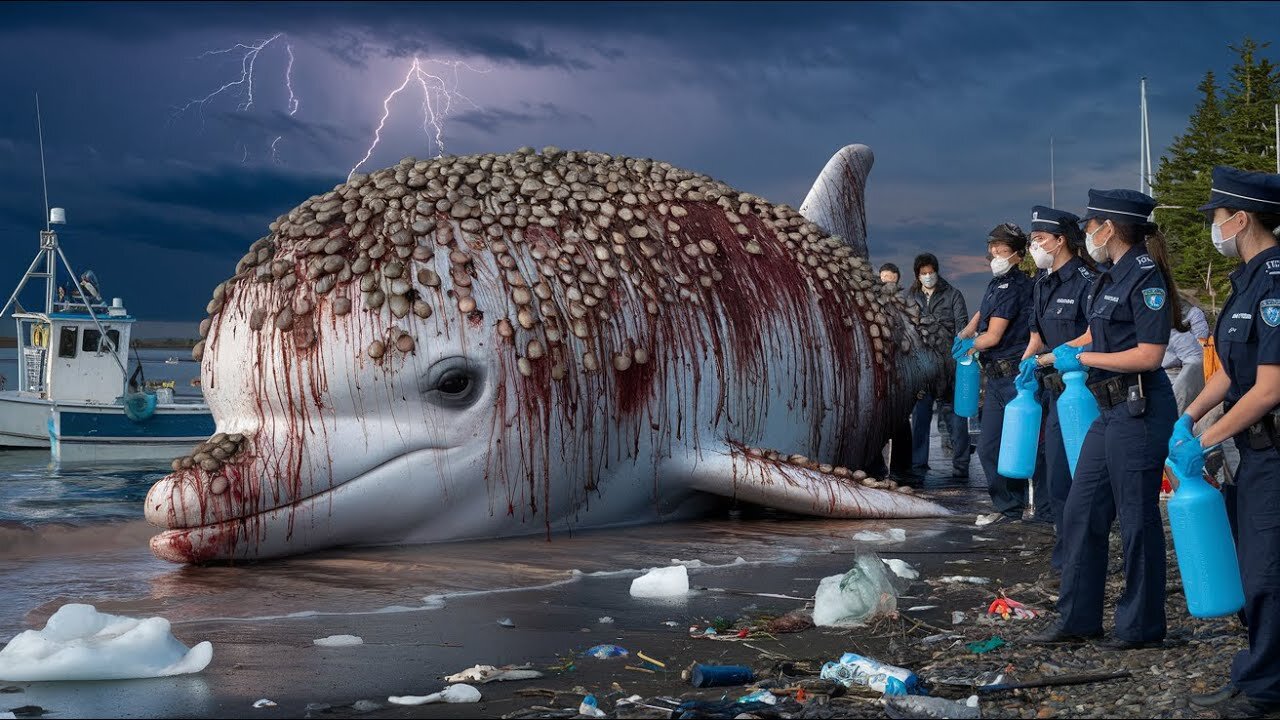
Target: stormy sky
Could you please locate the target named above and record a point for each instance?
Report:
(959, 101)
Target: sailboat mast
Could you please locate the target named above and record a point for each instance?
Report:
(1053, 198)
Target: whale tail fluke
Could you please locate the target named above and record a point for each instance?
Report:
(835, 202)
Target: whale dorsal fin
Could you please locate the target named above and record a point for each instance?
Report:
(835, 202)
(750, 476)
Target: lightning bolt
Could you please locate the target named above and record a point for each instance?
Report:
(438, 96)
(244, 84)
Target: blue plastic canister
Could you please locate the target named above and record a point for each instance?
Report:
(1077, 409)
(1020, 435)
(1206, 552)
(968, 384)
(717, 675)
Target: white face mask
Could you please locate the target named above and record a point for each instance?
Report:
(1226, 246)
(1000, 266)
(1097, 252)
(1043, 258)
(929, 279)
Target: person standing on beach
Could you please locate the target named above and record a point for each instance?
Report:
(999, 332)
(1133, 305)
(1184, 357)
(1245, 211)
(940, 299)
(1059, 296)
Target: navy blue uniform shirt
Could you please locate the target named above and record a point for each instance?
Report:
(1248, 332)
(1129, 304)
(1008, 297)
(1059, 299)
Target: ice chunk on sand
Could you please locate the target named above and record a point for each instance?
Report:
(901, 569)
(80, 643)
(891, 535)
(662, 582)
(339, 641)
(451, 694)
(847, 600)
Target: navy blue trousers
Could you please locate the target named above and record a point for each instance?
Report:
(921, 415)
(1057, 474)
(1119, 474)
(1256, 670)
(1008, 495)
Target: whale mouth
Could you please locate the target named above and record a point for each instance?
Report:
(362, 509)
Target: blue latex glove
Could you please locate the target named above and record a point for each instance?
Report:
(955, 345)
(1026, 374)
(961, 348)
(1182, 432)
(1067, 358)
(1187, 459)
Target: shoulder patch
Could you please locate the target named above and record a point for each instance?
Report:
(1002, 287)
(1273, 267)
(1270, 311)
(1145, 262)
(1086, 274)
(1153, 297)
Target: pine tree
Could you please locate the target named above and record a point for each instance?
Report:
(1249, 106)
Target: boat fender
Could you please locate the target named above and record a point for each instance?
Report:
(140, 406)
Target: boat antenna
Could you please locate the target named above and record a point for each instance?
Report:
(44, 177)
(1053, 197)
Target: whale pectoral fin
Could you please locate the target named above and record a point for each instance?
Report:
(803, 490)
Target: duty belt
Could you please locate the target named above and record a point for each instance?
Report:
(1262, 434)
(1000, 368)
(1113, 391)
(1051, 380)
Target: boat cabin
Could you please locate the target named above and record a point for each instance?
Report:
(68, 356)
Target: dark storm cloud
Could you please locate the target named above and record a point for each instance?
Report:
(233, 189)
(490, 120)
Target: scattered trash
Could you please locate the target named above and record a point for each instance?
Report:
(671, 623)
(662, 582)
(940, 637)
(1056, 681)
(1005, 608)
(965, 579)
(901, 569)
(721, 709)
(957, 617)
(893, 535)
(589, 707)
(604, 652)
(80, 643)
(717, 675)
(763, 696)
(648, 659)
(988, 678)
(507, 623)
(364, 706)
(339, 641)
(987, 645)
(451, 694)
(263, 703)
(920, 706)
(487, 673)
(854, 669)
(606, 620)
(793, 622)
(979, 538)
(637, 668)
(847, 600)
(921, 608)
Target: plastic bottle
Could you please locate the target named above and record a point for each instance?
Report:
(854, 669)
(1020, 435)
(968, 383)
(917, 706)
(1206, 552)
(717, 675)
(590, 707)
(1077, 409)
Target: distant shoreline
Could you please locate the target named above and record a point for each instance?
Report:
(140, 343)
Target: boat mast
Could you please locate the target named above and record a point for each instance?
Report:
(1053, 198)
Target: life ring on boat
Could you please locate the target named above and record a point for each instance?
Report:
(40, 335)
(139, 407)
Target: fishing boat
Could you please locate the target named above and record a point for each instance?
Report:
(74, 393)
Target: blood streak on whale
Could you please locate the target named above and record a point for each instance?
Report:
(618, 319)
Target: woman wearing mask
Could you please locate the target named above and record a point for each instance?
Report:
(1245, 209)
(1059, 295)
(937, 297)
(999, 331)
(1133, 305)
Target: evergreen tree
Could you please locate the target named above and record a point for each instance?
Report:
(1249, 106)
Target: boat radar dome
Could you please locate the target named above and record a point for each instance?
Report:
(57, 216)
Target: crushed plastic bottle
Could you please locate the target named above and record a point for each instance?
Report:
(854, 669)
(604, 652)
(590, 707)
(920, 706)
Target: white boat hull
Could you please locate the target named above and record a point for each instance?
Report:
(91, 431)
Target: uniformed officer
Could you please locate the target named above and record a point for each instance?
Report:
(1245, 209)
(998, 332)
(1132, 307)
(1059, 296)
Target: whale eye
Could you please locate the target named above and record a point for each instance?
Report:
(453, 383)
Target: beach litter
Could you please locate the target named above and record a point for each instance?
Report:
(263, 703)
(919, 706)
(80, 643)
(848, 600)
(507, 623)
(339, 641)
(1007, 608)
(901, 569)
(604, 652)
(483, 674)
(451, 694)
(985, 646)
(661, 583)
(892, 535)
